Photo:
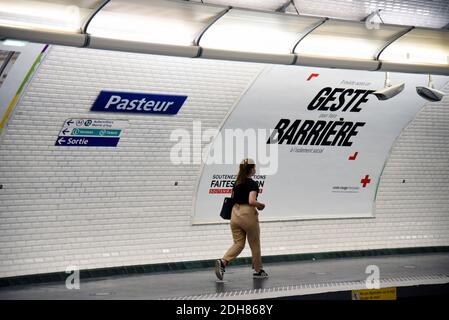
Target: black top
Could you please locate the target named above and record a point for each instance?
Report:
(242, 190)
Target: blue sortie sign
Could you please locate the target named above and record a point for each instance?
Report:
(146, 103)
(86, 141)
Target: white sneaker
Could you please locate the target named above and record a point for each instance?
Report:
(260, 275)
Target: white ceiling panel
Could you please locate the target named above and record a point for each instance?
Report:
(423, 13)
(269, 5)
(419, 13)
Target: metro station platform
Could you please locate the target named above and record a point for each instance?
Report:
(413, 275)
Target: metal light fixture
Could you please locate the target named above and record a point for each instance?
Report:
(389, 90)
(430, 93)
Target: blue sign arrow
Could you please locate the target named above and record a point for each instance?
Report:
(86, 141)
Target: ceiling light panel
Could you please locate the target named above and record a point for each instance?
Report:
(47, 15)
(419, 47)
(242, 31)
(159, 22)
(346, 40)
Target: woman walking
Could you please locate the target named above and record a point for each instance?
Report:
(244, 221)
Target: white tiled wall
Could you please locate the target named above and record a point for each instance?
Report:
(105, 207)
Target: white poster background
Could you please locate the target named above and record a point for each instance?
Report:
(302, 187)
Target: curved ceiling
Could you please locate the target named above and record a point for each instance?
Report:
(194, 29)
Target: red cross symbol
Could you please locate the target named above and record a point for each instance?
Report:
(365, 180)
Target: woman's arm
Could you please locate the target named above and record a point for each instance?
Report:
(253, 202)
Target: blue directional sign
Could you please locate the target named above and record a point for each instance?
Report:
(90, 133)
(146, 103)
(86, 141)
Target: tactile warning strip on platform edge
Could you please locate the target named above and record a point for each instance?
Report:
(316, 288)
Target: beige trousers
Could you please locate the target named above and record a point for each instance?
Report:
(245, 224)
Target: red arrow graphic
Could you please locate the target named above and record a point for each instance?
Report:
(312, 75)
(354, 156)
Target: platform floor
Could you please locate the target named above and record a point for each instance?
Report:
(286, 280)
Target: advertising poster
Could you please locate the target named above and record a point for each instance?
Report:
(18, 61)
(333, 137)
